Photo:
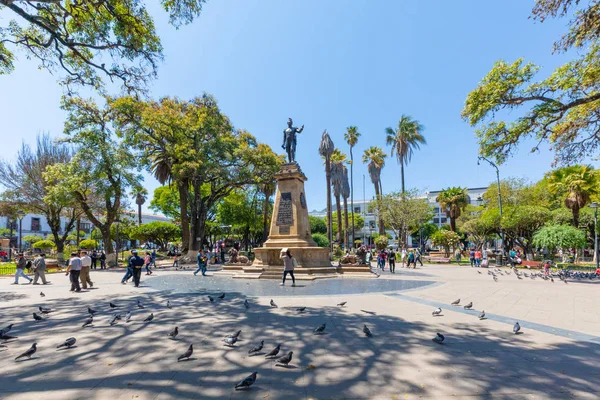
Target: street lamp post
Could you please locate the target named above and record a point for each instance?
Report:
(117, 221)
(10, 222)
(20, 215)
(595, 206)
(499, 194)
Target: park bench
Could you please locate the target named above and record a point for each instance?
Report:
(531, 264)
(436, 259)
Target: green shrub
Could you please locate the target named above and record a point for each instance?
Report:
(88, 244)
(321, 239)
(381, 242)
(44, 244)
(32, 239)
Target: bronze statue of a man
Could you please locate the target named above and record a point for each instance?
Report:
(289, 140)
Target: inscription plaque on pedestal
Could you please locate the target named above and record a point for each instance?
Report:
(285, 215)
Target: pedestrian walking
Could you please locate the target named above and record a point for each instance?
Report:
(73, 270)
(102, 260)
(472, 257)
(403, 256)
(392, 261)
(202, 260)
(154, 258)
(418, 257)
(478, 258)
(223, 252)
(147, 262)
(39, 269)
(86, 264)
(175, 261)
(130, 266)
(289, 263)
(137, 263)
(21, 265)
(94, 257)
(411, 260)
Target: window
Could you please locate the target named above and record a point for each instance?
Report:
(443, 220)
(35, 225)
(436, 210)
(372, 224)
(436, 220)
(85, 226)
(13, 223)
(357, 210)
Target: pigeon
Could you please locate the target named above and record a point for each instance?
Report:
(113, 320)
(246, 382)
(436, 312)
(285, 360)
(210, 298)
(88, 322)
(67, 343)
(246, 304)
(7, 337)
(479, 272)
(342, 304)
(482, 314)
(4, 331)
(495, 278)
(173, 334)
(37, 317)
(222, 296)
(112, 305)
(187, 354)
(320, 329)
(139, 304)
(272, 303)
(117, 316)
(455, 303)
(91, 311)
(439, 338)
(29, 352)
(235, 335)
(516, 328)
(169, 304)
(273, 352)
(256, 349)
(42, 294)
(44, 310)
(551, 279)
(128, 316)
(367, 331)
(469, 306)
(230, 341)
(149, 317)
(301, 309)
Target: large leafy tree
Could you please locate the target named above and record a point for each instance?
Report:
(561, 110)
(405, 139)
(88, 41)
(374, 157)
(241, 210)
(555, 237)
(166, 201)
(453, 201)
(157, 232)
(576, 184)
(101, 171)
(405, 212)
(520, 223)
(326, 148)
(193, 145)
(26, 184)
(351, 136)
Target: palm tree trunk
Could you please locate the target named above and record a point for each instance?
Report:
(352, 193)
(402, 175)
(328, 181)
(453, 224)
(575, 211)
(378, 197)
(338, 206)
(346, 230)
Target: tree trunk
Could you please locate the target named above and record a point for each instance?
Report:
(265, 234)
(352, 194)
(402, 174)
(328, 181)
(139, 214)
(338, 206)
(575, 211)
(346, 230)
(185, 220)
(378, 197)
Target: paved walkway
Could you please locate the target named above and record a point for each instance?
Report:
(136, 360)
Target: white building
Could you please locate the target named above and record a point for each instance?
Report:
(474, 196)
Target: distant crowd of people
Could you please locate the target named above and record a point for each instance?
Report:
(407, 258)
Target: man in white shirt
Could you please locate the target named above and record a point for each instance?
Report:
(73, 270)
(86, 263)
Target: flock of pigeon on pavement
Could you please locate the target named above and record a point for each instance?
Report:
(561, 275)
(230, 340)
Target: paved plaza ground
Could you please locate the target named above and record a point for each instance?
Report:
(556, 356)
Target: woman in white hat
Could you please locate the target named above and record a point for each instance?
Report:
(289, 263)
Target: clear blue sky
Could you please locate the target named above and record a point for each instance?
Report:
(328, 65)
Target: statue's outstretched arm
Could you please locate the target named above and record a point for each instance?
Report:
(301, 129)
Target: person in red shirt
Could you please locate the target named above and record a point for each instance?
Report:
(478, 258)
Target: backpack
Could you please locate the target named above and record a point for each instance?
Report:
(28, 265)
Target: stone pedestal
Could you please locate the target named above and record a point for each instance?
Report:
(290, 228)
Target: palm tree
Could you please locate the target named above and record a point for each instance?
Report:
(268, 189)
(345, 194)
(325, 150)
(578, 183)
(351, 136)
(337, 176)
(375, 157)
(140, 199)
(407, 137)
(453, 201)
